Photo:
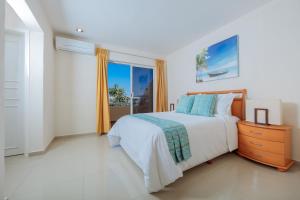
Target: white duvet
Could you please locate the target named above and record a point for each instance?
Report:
(145, 143)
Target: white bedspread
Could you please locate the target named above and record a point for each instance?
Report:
(145, 143)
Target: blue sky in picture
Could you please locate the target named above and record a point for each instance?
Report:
(119, 74)
(223, 54)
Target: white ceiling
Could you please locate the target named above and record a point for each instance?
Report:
(156, 26)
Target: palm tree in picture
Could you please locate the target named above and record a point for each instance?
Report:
(201, 60)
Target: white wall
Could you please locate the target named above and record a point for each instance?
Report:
(75, 93)
(269, 40)
(75, 90)
(35, 107)
(48, 72)
(2, 11)
(129, 56)
(12, 21)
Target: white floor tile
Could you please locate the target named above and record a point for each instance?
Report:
(87, 168)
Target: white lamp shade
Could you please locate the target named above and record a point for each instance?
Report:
(273, 105)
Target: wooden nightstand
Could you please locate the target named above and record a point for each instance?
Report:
(267, 144)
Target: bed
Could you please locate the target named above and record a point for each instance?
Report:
(146, 145)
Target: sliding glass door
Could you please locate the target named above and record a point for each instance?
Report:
(130, 89)
(142, 90)
(119, 89)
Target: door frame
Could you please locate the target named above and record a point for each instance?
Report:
(131, 65)
(26, 78)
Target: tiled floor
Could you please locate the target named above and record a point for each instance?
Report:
(87, 168)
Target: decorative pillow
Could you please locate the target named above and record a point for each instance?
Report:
(204, 105)
(185, 104)
(224, 102)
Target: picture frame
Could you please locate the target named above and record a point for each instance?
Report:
(218, 61)
(261, 116)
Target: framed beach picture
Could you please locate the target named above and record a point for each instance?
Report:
(218, 61)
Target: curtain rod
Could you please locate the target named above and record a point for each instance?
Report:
(131, 63)
(131, 54)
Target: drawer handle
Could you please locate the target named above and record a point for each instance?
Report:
(257, 133)
(258, 145)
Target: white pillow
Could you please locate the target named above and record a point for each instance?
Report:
(224, 102)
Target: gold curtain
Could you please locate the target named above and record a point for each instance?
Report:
(102, 112)
(161, 97)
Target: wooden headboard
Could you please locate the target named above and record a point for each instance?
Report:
(238, 105)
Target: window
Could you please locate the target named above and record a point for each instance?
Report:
(130, 89)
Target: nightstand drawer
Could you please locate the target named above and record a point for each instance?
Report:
(262, 156)
(261, 133)
(259, 144)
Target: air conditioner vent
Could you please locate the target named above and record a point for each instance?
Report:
(76, 46)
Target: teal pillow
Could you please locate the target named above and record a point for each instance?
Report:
(185, 104)
(204, 105)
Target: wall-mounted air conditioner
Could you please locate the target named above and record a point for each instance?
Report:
(76, 46)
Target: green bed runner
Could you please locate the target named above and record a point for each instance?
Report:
(176, 135)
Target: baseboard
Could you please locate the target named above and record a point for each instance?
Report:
(37, 153)
(74, 135)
